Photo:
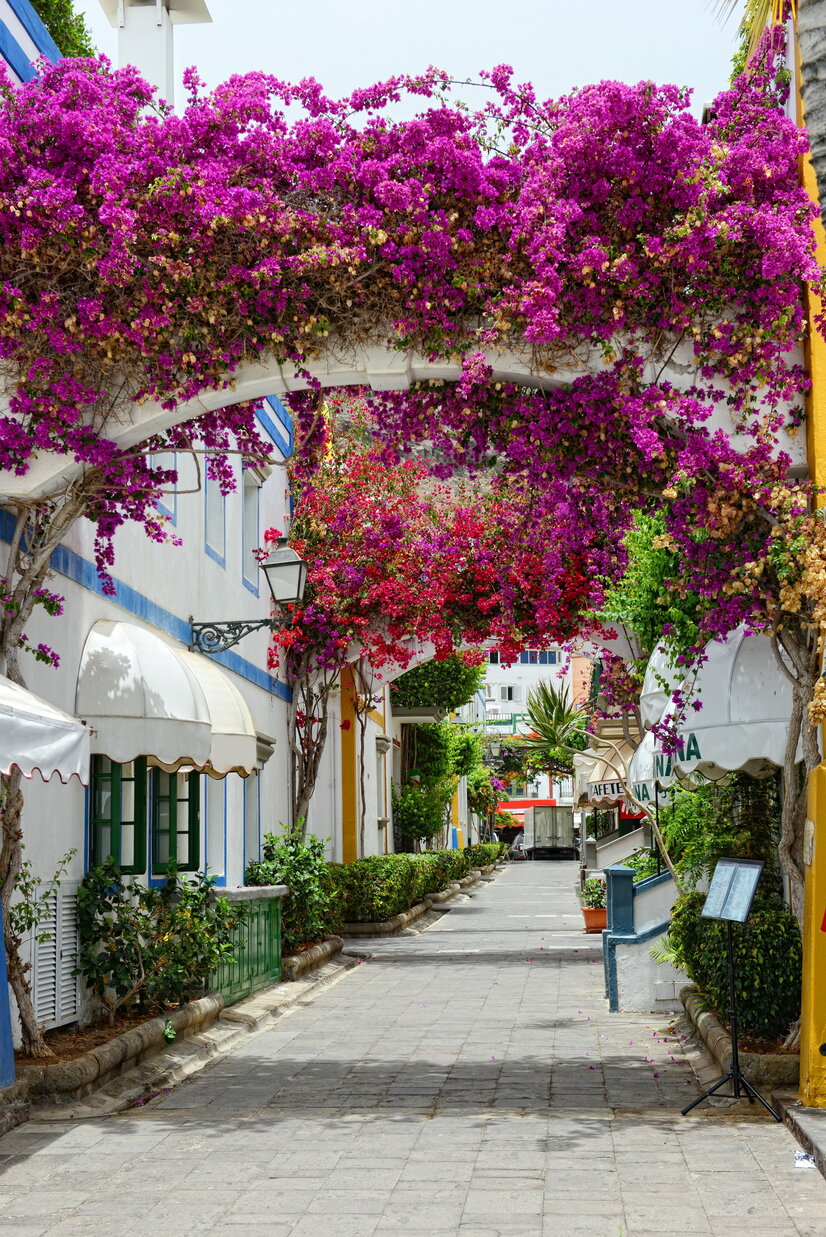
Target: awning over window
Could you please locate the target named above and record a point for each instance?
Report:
(604, 787)
(746, 705)
(650, 768)
(37, 737)
(140, 697)
(234, 744)
(144, 697)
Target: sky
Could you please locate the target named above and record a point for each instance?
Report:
(556, 44)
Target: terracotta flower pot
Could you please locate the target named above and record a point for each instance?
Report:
(596, 918)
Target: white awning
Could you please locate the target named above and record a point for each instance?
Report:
(650, 768)
(144, 697)
(140, 697)
(604, 786)
(662, 678)
(37, 737)
(234, 744)
(746, 705)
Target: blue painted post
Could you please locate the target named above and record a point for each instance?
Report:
(620, 900)
(7, 1074)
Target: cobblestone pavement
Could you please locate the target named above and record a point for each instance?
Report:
(465, 1081)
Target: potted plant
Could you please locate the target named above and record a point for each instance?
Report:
(592, 897)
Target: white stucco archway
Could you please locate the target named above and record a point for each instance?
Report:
(381, 368)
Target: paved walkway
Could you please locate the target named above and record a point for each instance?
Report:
(466, 1081)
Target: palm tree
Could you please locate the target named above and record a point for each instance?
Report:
(810, 28)
(559, 730)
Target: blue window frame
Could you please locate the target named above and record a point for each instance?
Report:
(250, 534)
(215, 522)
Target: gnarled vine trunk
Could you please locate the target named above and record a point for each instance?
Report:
(39, 530)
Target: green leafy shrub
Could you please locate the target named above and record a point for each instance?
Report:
(309, 912)
(593, 893)
(382, 886)
(374, 888)
(156, 947)
(643, 863)
(446, 684)
(67, 28)
(767, 958)
(420, 812)
(480, 854)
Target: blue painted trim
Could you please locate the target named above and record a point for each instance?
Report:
(251, 585)
(651, 882)
(284, 418)
(214, 555)
(7, 1071)
(171, 512)
(610, 940)
(620, 898)
(220, 880)
(14, 56)
(279, 438)
(82, 572)
(35, 29)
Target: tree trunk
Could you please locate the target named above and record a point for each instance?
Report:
(307, 736)
(10, 858)
(811, 37)
(44, 528)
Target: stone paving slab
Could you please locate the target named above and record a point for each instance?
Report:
(467, 1080)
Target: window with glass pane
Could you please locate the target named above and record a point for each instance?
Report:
(252, 490)
(117, 813)
(215, 532)
(176, 819)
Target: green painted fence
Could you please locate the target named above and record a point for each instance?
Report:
(256, 947)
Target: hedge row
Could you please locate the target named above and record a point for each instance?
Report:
(767, 955)
(380, 886)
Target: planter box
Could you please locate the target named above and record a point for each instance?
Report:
(256, 943)
(765, 1070)
(64, 1083)
(596, 918)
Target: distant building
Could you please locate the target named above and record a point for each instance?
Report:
(506, 695)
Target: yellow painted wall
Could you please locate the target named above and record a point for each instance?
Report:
(349, 778)
(813, 1014)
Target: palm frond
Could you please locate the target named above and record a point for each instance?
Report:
(555, 722)
(757, 16)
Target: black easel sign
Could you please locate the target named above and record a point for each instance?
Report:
(732, 889)
(729, 898)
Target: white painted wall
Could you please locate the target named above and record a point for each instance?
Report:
(644, 985)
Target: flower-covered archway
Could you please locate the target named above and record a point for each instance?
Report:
(596, 299)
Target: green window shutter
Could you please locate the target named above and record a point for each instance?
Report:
(117, 813)
(176, 819)
(132, 842)
(102, 791)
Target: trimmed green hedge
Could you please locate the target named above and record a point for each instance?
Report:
(767, 956)
(381, 886)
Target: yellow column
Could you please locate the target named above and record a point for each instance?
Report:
(813, 1013)
(349, 779)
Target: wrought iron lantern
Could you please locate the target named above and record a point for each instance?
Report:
(286, 575)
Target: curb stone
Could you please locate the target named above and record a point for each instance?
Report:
(807, 1124)
(247, 1018)
(69, 1081)
(767, 1070)
(295, 965)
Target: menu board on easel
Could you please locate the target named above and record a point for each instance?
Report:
(732, 889)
